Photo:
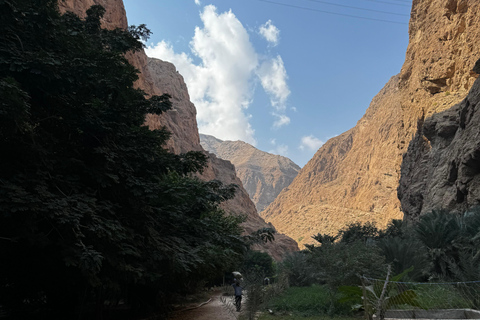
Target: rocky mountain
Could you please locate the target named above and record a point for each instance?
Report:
(157, 77)
(263, 174)
(441, 169)
(354, 176)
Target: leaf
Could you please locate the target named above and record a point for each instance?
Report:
(401, 275)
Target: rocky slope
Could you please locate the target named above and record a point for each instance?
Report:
(354, 176)
(441, 169)
(263, 174)
(157, 77)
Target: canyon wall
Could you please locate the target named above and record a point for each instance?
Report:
(157, 77)
(441, 169)
(354, 176)
(264, 175)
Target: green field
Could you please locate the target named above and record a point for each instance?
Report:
(314, 302)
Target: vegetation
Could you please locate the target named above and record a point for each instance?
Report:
(258, 262)
(306, 301)
(94, 212)
(441, 247)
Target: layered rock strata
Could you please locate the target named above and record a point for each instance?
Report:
(157, 77)
(354, 176)
(264, 175)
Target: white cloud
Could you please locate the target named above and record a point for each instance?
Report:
(222, 83)
(310, 143)
(273, 78)
(270, 32)
(280, 121)
(197, 2)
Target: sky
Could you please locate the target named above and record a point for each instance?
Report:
(282, 75)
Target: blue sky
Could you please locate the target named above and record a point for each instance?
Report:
(282, 75)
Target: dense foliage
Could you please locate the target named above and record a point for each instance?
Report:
(93, 209)
(440, 247)
(258, 262)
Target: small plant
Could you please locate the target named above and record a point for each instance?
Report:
(378, 296)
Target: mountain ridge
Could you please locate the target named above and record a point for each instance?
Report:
(264, 175)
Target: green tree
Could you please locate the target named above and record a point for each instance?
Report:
(438, 231)
(298, 269)
(358, 232)
(340, 263)
(258, 262)
(93, 208)
(402, 254)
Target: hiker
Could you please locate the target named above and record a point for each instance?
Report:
(238, 294)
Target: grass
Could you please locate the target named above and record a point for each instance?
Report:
(315, 302)
(443, 296)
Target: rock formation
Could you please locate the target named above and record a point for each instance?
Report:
(263, 174)
(157, 77)
(441, 169)
(354, 176)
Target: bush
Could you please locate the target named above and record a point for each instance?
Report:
(259, 262)
(299, 270)
(341, 263)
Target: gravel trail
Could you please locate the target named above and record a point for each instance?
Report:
(213, 310)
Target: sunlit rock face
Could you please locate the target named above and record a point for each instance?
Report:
(157, 77)
(354, 176)
(264, 175)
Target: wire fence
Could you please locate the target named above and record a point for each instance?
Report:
(414, 300)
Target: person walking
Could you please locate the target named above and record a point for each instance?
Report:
(238, 294)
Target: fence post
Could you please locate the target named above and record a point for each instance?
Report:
(380, 303)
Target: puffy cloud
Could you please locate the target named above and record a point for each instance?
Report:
(219, 86)
(310, 143)
(222, 83)
(197, 2)
(270, 32)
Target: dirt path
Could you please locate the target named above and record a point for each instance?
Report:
(214, 310)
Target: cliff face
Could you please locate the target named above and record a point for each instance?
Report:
(354, 176)
(263, 174)
(181, 119)
(441, 169)
(157, 77)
